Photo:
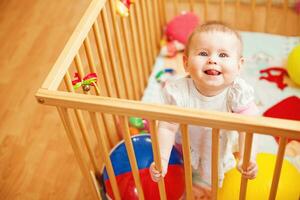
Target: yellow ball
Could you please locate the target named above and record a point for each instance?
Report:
(293, 65)
(259, 188)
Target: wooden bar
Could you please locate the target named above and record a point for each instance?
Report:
(83, 129)
(130, 67)
(147, 32)
(120, 49)
(138, 71)
(268, 9)
(175, 4)
(131, 156)
(285, 8)
(78, 65)
(63, 112)
(107, 74)
(278, 167)
(215, 163)
(221, 14)
(160, 13)
(237, 9)
(213, 119)
(143, 42)
(253, 5)
(152, 30)
(205, 10)
(105, 154)
(187, 161)
(163, 9)
(191, 2)
(246, 159)
(157, 158)
(156, 23)
(118, 77)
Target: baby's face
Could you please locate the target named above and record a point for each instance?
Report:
(213, 61)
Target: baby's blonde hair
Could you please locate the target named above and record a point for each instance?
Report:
(213, 26)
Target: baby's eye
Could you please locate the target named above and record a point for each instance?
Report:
(203, 53)
(223, 55)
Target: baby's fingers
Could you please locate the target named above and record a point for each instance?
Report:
(155, 174)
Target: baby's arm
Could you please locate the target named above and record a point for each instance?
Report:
(166, 140)
(250, 171)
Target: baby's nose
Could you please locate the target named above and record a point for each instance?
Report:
(212, 61)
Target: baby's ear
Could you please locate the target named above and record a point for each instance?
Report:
(241, 62)
(185, 61)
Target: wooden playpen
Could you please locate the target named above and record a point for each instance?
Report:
(122, 51)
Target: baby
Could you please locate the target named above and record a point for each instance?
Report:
(212, 59)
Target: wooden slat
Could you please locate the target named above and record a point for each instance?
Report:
(107, 74)
(221, 14)
(213, 119)
(192, 5)
(187, 161)
(237, 8)
(253, 5)
(118, 77)
(138, 72)
(147, 32)
(131, 156)
(278, 167)
(156, 22)
(131, 65)
(268, 9)
(79, 67)
(285, 10)
(78, 154)
(120, 49)
(205, 10)
(175, 4)
(246, 159)
(105, 154)
(157, 158)
(143, 43)
(163, 11)
(215, 163)
(83, 129)
(66, 57)
(152, 29)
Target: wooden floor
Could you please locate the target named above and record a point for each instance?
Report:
(36, 160)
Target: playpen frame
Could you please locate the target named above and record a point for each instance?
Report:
(112, 102)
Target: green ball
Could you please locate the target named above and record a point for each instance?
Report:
(293, 65)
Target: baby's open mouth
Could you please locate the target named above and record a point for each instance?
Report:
(212, 72)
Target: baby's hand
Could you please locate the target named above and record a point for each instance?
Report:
(251, 171)
(155, 174)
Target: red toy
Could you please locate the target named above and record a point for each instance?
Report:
(288, 108)
(276, 75)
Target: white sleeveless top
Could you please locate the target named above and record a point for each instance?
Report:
(183, 93)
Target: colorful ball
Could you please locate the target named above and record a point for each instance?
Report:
(174, 180)
(293, 65)
(259, 188)
(136, 122)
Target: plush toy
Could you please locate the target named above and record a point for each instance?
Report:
(177, 33)
(276, 75)
(138, 125)
(123, 7)
(293, 65)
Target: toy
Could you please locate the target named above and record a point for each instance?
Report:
(288, 108)
(123, 7)
(86, 82)
(177, 33)
(293, 65)
(259, 188)
(276, 75)
(138, 125)
(174, 180)
(162, 75)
